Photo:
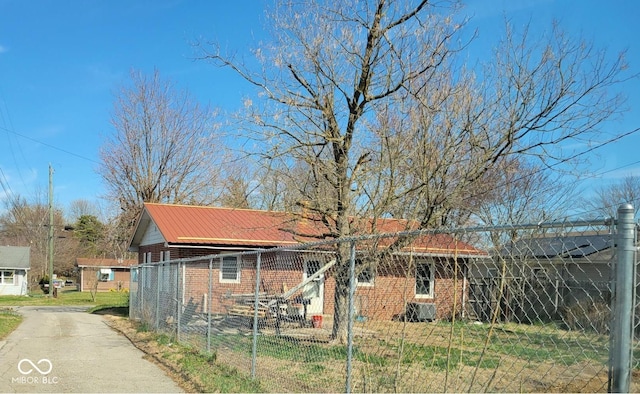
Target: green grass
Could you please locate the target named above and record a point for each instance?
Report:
(68, 297)
(314, 364)
(536, 343)
(202, 368)
(9, 321)
(216, 377)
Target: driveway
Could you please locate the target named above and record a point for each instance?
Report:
(65, 349)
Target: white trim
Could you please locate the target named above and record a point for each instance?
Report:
(12, 276)
(431, 293)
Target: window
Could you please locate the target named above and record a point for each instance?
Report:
(164, 255)
(105, 274)
(424, 279)
(7, 277)
(364, 274)
(134, 274)
(313, 266)
(229, 270)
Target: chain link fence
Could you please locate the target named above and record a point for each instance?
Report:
(516, 309)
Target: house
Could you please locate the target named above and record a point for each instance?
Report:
(544, 277)
(14, 267)
(429, 272)
(107, 274)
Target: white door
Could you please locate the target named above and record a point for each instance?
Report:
(314, 290)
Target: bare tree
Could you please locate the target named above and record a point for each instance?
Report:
(163, 149)
(522, 192)
(608, 198)
(371, 98)
(26, 223)
(81, 207)
(236, 192)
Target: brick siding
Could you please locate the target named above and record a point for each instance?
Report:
(385, 300)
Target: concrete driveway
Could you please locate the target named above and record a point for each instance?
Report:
(65, 349)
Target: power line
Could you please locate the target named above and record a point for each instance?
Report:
(49, 145)
(568, 159)
(6, 120)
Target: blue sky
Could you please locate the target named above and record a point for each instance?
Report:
(61, 60)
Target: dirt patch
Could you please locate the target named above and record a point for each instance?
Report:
(122, 311)
(166, 357)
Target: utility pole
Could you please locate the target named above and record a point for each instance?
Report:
(51, 286)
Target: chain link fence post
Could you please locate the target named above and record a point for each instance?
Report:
(256, 304)
(350, 314)
(179, 304)
(156, 269)
(621, 332)
(141, 304)
(209, 303)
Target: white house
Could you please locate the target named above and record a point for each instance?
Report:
(14, 266)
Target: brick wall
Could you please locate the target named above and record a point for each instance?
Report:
(121, 279)
(384, 300)
(393, 288)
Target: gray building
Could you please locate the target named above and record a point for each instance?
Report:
(14, 268)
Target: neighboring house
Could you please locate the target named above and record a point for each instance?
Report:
(169, 232)
(14, 267)
(107, 274)
(544, 277)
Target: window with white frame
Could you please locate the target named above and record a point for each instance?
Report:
(424, 279)
(105, 274)
(7, 277)
(365, 273)
(229, 270)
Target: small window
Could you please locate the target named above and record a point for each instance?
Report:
(7, 277)
(229, 270)
(134, 274)
(164, 255)
(424, 279)
(365, 274)
(105, 275)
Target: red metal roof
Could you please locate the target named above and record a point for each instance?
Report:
(198, 225)
(186, 224)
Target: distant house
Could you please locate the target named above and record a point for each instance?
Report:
(108, 274)
(14, 267)
(543, 276)
(171, 232)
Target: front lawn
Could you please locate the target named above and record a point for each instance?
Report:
(9, 321)
(68, 297)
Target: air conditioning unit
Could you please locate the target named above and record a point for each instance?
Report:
(421, 311)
